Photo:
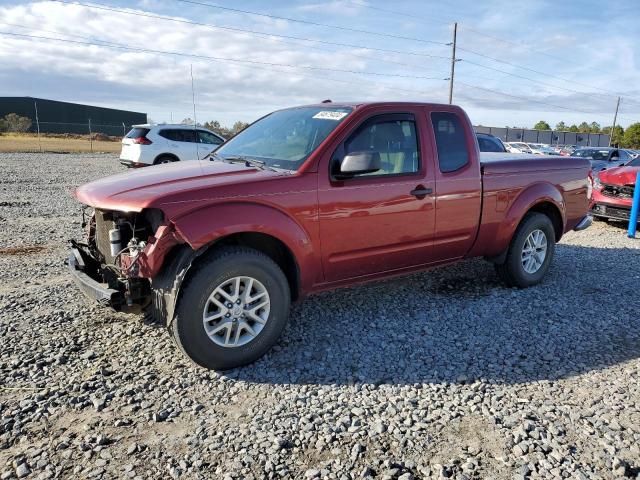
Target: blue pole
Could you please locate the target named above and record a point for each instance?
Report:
(635, 206)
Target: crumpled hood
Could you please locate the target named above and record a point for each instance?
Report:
(619, 175)
(146, 187)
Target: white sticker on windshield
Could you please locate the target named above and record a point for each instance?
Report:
(330, 115)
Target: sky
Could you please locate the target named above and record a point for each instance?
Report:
(518, 62)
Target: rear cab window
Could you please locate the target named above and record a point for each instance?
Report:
(451, 141)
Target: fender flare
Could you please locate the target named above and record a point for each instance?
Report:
(202, 228)
(527, 199)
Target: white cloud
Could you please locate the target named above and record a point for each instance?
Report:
(228, 91)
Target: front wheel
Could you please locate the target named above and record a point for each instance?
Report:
(232, 309)
(530, 252)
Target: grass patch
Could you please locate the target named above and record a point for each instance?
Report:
(28, 142)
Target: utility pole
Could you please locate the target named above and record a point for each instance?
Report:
(35, 104)
(615, 118)
(90, 136)
(195, 122)
(453, 62)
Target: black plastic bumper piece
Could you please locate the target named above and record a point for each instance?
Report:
(99, 292)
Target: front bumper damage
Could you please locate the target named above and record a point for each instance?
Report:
(104, 286)
(92, 287)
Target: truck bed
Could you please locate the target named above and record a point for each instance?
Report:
(499, 163)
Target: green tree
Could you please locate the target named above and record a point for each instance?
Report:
(574, 128)
(239, 126)
(15, 123)
(583, 127)
(542, 125)
(214, 126)
(631, 137)
(618, 133)
(594, 127)
(561, 126)
(187, 121)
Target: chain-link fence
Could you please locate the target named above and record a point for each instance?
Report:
(62, 137)
(37, 124)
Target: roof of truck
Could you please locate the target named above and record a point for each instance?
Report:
(363, 104)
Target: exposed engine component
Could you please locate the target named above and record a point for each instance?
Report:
(114, 241)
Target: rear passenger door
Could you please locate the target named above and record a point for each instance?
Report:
(458, 184)
(181, 142)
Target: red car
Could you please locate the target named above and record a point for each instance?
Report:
(314, 198)
(613, 191)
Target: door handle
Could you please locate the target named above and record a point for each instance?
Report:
(420, 192)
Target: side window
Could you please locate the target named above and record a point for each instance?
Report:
(208, 138)
(450, 141)
(396, 142)
(188, 136)
(168, 134)
(624, 155)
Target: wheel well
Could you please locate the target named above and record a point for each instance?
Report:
(171, 155)
(551, 211)
(273, 248)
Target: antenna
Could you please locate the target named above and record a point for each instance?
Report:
(195, 122)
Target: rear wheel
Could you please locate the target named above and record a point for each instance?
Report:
(232, 309)
(530, 252)
(165, 159)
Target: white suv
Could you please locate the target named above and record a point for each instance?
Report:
(153, 144)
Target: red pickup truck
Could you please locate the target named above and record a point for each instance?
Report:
(313, 198)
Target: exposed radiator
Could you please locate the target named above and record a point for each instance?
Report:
(104, 223)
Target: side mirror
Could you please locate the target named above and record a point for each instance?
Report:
(358, 163)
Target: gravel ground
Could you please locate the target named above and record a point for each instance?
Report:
(445, 374)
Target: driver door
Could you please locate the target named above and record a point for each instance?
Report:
(381, 221)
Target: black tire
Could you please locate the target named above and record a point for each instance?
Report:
(165, 159)
(512, 271)
(187, 327)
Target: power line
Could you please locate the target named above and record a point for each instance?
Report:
(525, 98)
(203, 57)
(139, 13)
(464, 27)
(539, 72)
(527, 78)
(222, 59)
(364, 57)
(195, 2)
(518, 44)
(308, 22)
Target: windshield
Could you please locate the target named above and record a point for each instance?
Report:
(634, 163)
(284, 139)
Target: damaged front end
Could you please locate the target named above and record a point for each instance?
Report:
(122, 252)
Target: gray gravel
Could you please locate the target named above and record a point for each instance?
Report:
(445, 374)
